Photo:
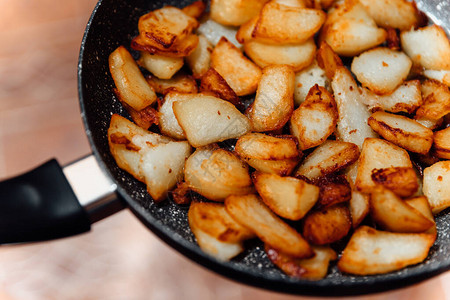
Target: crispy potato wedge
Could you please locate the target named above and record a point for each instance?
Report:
(274, 101)
(328, 60)
(195, 10)
(402, 181)
(214, 31)
(235, 12)
(334, 189)
(297, 56)
(402, 131)
(378, 154)
(371, 251)
(314, 268)
(181, 48)
(328, 225)
(306, 79)
(239, 72)
(162, 67)
(400, 14)
(288, 197)
(330, 157)
(352, 123)
(216, 174)
(441, 146)
(252, 213)
(420, 203)
(406, 98)
(213, 83)
(316, 118)
(168, 123)
(359, 207)
(200, 59)
(381, 69)
(439, 75)
(428, 47)
(207, 119)
(180, 83)
(391, 213)
(436, 187)
(130, 83)
(436, 100)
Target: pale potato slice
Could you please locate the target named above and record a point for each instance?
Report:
(180, 83)
(440, 75)
(442, 143)
(349, 29)
(212, 82)
(207, 119)
(314, 268)
(200, 59)
(420, 203)
(131, 85)
(306, 79)
(402, 181)
(288, 197)
(274, 100)
(195, 10)
(328, 158)
(436, 100)
(429, 123)
(402, 131)
(327, 226)
(252, 213)
(378, 154)
(235, 12)
(352, 123)
(381, 70)
(391, 213)
(287, 24)
(239, 72)
(162, 67)
(405, 98)
(297, 56)
(359, 207)
(400, 14)
(316, 118)
(168, 123)
(214, 31)
(181, 48)
(328, 60)
(371, 251)
(216, 174)
(436, 185)
(428, 47)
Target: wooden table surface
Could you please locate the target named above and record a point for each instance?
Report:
(40, 119)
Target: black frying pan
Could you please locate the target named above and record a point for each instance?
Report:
(41, 205)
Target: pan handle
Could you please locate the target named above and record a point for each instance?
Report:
(52, 202)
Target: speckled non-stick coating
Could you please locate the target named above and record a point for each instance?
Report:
(114, 23)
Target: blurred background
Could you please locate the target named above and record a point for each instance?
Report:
(40, 119)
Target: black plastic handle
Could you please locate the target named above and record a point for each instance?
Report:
(40, 205)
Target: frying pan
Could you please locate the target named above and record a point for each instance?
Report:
(52, 201)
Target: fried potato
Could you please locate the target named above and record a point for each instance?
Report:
(181, 48)
(274, 103)
(436, 187)
(314, 268)
(216, 174)
(420, 203)
(252, 213)
(162, 67)
(235, 12)
(439, 75)
(378, 154)
(288, 197)
(405, 98)
(428, 47)
(143, 118)
(381, 70)
(214, 31)
(371, 251)
(244, 33)
(442, 143)
(130, 83)
(207, 119)
(334, 189)
(239, 72)
(352, 123)
(402, 131)
(328, 225)
(306, 79)
(213, 83)
(200, 59)
(328, 60)
(390, 212)
(180, 83)
(436, 100)
(429, 123)
(316, 118)
(402, 181)
(195, 10)
(400, 14)
(168, 123)
(359, 207)
(330, 157)
(297, 56)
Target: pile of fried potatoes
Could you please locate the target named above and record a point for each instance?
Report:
(325, 153)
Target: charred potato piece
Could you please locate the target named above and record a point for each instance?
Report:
(328, 60)
(334, 189)
(213, 83)
(436, 187)
(181, 83)
(442, 143)
(181, 48)
(436, 100)
(402, 181)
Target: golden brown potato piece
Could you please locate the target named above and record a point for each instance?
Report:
(162, 67)
(274, 101)
(402, 131)
(402, 181)
(216, 174)
(316, 118)
(252, 213)
(328, 60)
(239, 72)
(420, 203)
(143, 118)
(441, 146)
(359, 207)
(436, 100)
(180, 83)
(288, 197)
(391, 213)
(181, 48)
(244, 34)
(371, 251)
(436, 185)
(314, 268)
(235, 12)
(306, 79)
(439, 75)
(200, 59)
(213, 83)
(131, 86)
(195, 10)
(328, 225)
(334, 189)
(400, 14)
